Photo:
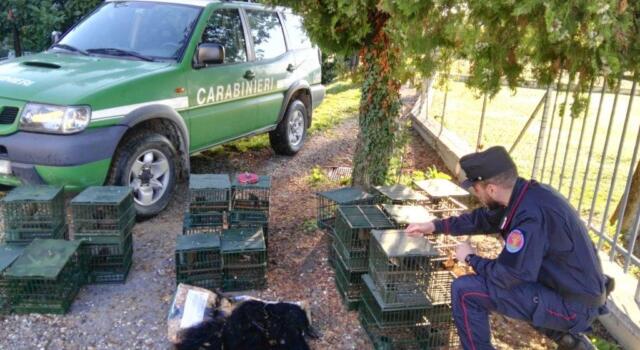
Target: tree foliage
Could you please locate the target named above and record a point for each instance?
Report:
(502, 40)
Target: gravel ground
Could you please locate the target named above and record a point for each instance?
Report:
(133, 315)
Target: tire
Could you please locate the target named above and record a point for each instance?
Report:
(148, 163)
(288, 138)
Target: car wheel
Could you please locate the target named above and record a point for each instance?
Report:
(288, 138)
(147, 163)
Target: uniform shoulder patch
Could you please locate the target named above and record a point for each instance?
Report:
(515, 241)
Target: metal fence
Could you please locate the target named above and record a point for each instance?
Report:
(590, 157)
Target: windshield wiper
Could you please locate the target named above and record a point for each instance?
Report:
(69, 48)
(120, 52)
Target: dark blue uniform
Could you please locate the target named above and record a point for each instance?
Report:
(548, 273)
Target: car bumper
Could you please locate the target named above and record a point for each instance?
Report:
(74, 161)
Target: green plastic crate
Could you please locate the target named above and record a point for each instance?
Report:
(251, 196)
(349, 282)
(8, 254)
(25, 237)
(103, 204)
(198, 257)
(244, 278)
(46, 277)
(209, 192)
(85, 228)
(391, 314)
(401, 266)
(403, 215)
(209, 219)
(401, 194)
(243, 248)
(33, 209)
(328, 202)
(439, 334)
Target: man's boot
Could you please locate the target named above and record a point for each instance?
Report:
(574, 342)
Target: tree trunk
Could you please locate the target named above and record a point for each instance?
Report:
(633, 205)
(379, 108)
(17, 45)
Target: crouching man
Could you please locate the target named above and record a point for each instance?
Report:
(548, 272)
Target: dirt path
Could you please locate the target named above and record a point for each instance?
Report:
(132, 316)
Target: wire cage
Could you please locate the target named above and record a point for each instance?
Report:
(349, 283)
(244, 278)
(243, 248)
(109, 263)
(24, 237)
(251, 196)
(400, 266)
(401, 194)
(209, 192)
(403, 215)
(8, 254)
(391, 315)
(329, 201)
(46, 277)
(352, 230)
(434, 331)
(33, 210)
(203, 223)
(445, 197)
(198, 258)
(103, 210)
(250, 219)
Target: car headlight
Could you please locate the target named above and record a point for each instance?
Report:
(55, 119)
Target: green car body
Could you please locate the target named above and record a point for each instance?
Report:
(194, 105)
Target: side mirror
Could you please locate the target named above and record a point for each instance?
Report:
(55, 37)
(209, 53)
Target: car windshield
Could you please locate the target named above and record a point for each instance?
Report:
(136, 30)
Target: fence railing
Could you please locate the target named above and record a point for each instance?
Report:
(591, 157)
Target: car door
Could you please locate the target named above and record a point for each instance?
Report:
(222, 93)
(274, 64)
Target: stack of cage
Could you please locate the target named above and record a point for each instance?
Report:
(353, 226)
(244, 259)
(402, 304)
(46, 277)
(445, 197)
(209, 198)
(403, 215)
(8, 254)
(250, 205)
(199, 260)
(401, 194)
(34, 212)
(103, 218)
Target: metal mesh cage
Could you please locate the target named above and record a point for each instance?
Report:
(198, 258)
(209, 192)
(8, 254)
(434, 331)
(210, 280)
(89, 228)
(30, 209)
(26, 236)
(47, 277)
(251, 219)
(109, 263)
(209, 219)
(352, 230)
(405, 315)
(400, 266)
(329, 201)
(403, 215)
(446, 207)
(251, 196)
(441, 188)
(243, 248)
(349, 282)
(401, 194)
(244, 278)
(103, 204)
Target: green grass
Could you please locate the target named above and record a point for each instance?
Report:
(342, 102)
(507, 114)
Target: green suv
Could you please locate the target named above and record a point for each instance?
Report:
(132, 90)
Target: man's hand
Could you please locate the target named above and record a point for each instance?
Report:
(418, 230)
(464, 249)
